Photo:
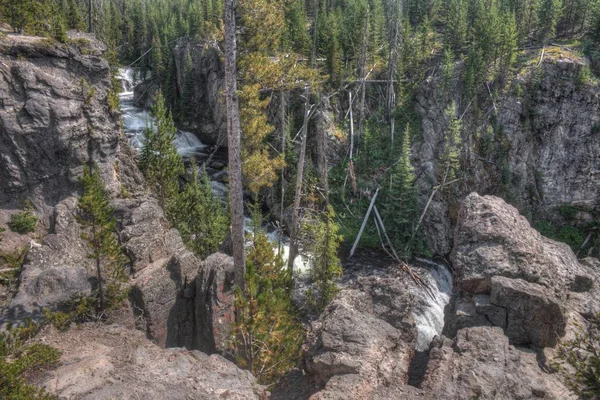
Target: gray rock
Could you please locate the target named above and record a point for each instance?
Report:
(493, 239)
(207, 77)
(162, 296)
(546, 152)
(51, 124)
(481, 364)
(55, 271)
(496, 315)
(143, 231)
(367, 331)
(214, 308)
(109, 362)
(534, 316)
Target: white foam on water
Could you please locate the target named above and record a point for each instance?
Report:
(428, 313)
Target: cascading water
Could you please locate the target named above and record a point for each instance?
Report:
(137, 119)
(135, 122)
(429, 309)
(428, 312)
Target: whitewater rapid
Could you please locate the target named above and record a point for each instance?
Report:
(428, 312)
(136, 120)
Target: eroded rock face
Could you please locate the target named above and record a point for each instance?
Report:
(539, 150)
(162, 296)
(53, 118)
(205, 84)
(214, 303)
(480, 363)
(510, 276)
(105, 362)
(54, 271)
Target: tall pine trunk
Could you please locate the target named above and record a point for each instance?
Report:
(299, 178)
(363, 77)
(234, 131)
(90, 9)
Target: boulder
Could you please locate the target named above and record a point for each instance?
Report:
(109, 362)
(367, 331)
(493, 239)
(214, 307)
(533, 316)
(514, 278)
(480, 363)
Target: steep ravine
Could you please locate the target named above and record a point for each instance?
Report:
(488, 329)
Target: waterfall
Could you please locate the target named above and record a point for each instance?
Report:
(428, 312)
(137, 119)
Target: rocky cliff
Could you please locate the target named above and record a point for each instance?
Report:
(517, 294)
(54, 120)
(533, 141)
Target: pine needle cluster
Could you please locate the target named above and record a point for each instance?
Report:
(97, 219)
(267, 336)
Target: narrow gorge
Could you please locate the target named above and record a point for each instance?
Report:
(447, 229)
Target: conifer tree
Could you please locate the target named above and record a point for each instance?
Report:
(74, 16)
(267, 336)
(447, 69)
(400, 210)
(96, 216)
(18, 13)
(259, 167)
(548, 16)
(200, 217)
(456, 24)
(450, 159)
(321, 241)
(159, 161)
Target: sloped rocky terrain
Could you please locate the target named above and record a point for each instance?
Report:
(516, 294)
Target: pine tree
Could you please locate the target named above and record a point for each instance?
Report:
(400, 210)
(447, 70)
(74, 16)
(267, 336)
(199, 216)
(548, 15)
(321, 241)
(158, 66)
(96, 216)
(159, 161)
(297, 36)
(18, 13)
(456, 24)
(258, 166)
(450, 159)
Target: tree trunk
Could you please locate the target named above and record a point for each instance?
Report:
(283, 138)
(234, 131)
(393, 58)
(100, 289)
(90, 9)
(363, 77)
(298, 193)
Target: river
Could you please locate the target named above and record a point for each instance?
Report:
(428, 312)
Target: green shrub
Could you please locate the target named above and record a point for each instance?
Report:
(579, 360)
(267, 335)
(24, 221)
(18, 360)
